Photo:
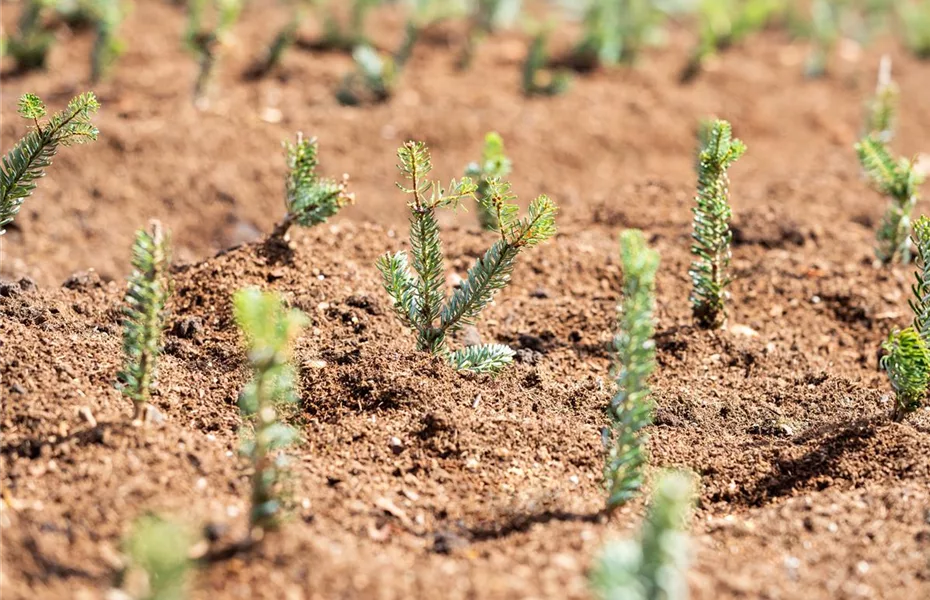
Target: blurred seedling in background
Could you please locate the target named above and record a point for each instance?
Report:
(882, 109)
(339, 36)
(269, 331)
(30, 44)
(144, 319)
(615, 31)
(540, 78)
(373, 80)
(209, 23)
(712, 234)
(158, 563)
(29, 158)
(914, 18)
(282, 41)
(309, 198)
(419, 298)
(487, 16)
(899, 180)
(494, 165)
(723, 23)
(654, 566)
(630, 410)
(108, 16)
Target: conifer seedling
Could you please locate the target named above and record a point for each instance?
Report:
(654, 567)
(209, 23)
(899, 180)
(630, 410)
(539, 78)
(108, 15)
(907, 363)
(282, 41)
(419, 297)
(373, 80)
(494, 164)
(27, 161)
(269, 330)
(158, 560)
(31, 43)
(487, 17)
(712, 235)
(881, 111)
(338, 37)
(616, 30)
(144, 313)
(920, 302)
(309, 198)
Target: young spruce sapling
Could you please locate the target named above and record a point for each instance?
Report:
(494, 164)
(654, 567)
(309, 198)
(269, 330)
(906, 360)
(420, 298)
(630, 410)
(29, 158)
(899, 180)
(712, 235)
(144, 313)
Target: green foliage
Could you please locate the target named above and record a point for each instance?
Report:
(29, 158)
(373, 80)
(538, 78)
(33, 39)
(899, 181)
(208, 25)
(419, 297)
(711, 236)
(486, 17)
(494, 164)
(653, 567)
(915, 22)
(269, 330)
(108, 16)
(723, 23)
(920, 303)
(882, 108)
(825, 31)
(339, 37)
(630, 409)
(309, 198)
(144, 317)
(281, 42)
(158, 551)
(907, 363)
(616, 30)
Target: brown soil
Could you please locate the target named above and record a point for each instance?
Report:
(807, 490)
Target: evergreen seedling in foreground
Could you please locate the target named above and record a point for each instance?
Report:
(269, 330)
(144, 318)
(630, 410)
(711, 236)
(205, 39)
(29, 158)
(899, 180)
(309, 198)
(419, 298)
(907, 363)
(158, 560)
(655, 566)
(494, 164)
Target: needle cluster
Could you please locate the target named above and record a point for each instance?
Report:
(494, 164)
(29, 158)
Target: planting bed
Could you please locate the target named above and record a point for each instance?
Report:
(490, 488)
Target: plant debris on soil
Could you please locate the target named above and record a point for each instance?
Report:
(413, 480)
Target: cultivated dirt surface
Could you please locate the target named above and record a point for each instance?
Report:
(807, 490)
